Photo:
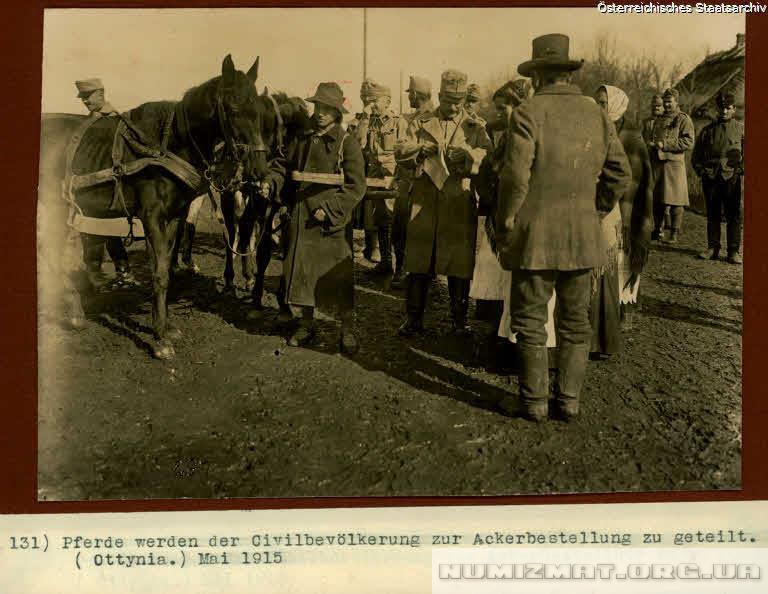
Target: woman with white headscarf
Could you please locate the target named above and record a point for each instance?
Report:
(627, 231)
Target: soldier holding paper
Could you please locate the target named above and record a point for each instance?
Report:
(445, 149)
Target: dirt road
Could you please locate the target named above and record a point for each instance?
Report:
(240, 414)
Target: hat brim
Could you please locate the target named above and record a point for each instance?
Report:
(84, 94)
(530, 66)
(324, 101)
(453, 97)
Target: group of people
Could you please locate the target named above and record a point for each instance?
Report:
(545, 216)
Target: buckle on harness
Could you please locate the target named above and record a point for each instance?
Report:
(118, 171)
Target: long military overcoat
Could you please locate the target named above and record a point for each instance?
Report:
(677, 135)
(564, 164)
(443, 222)
(318, 268)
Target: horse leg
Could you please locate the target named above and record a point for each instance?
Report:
(161, 238)
(248, 263)
(229, 265)
(263, 256)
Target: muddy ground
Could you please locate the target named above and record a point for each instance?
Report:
(240, 414)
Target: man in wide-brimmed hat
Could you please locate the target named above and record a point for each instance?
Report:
(444, 148)
(419, 93)
(718, 160)
(318, 268)
(377, 132)
(564, 165)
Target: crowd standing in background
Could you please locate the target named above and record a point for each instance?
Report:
(544, 215)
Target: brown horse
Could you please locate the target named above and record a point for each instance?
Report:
(224, 109)
(250, 218)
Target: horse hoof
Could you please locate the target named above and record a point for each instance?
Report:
(77, 322)
(173, 334)
(164, 352)
(229, 290)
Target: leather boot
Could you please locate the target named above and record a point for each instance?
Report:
(534, 384)
(458, 290)
(187, 240)
(348, 342)
(398, 280)
(371, 251)
(305, 333)
(385, 247)
(572, 367)
(415, 303)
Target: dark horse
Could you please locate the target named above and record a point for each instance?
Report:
(250, 218)
(224, 109)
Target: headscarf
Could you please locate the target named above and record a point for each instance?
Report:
(617, 102)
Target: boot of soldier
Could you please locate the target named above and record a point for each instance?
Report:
(572, 367)
(186, 258)
(385, 247)
(372, 253)
(415, 304)
(534, 385)
(348, 341)
(458, 291)
(398, 279)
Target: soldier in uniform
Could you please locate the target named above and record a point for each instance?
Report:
(363, 217)
(673, 136)
(717, 159)
(652, 129)
(472, 102)
(377, 132)
(564, 167)
(420, 99)
(91, 93)
(445, 148)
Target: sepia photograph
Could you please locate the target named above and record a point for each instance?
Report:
(325, 252)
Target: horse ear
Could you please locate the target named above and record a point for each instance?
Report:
(228, 70)
(253, 71)
(265, 93)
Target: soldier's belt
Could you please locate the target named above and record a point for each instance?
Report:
(337, 179)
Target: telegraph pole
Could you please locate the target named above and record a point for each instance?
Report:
(365, 43)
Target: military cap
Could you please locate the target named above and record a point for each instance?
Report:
(375, 91)
(365, 88)
(453, 84)
(88, 86)
(725, 100)
(473, 92)
(672, 93)
(419, 84)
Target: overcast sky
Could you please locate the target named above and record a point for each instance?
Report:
(146, 55)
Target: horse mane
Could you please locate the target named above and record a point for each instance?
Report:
(294, 112)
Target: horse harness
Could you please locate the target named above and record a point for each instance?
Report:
(149, 154)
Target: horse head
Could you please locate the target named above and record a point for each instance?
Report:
(251, 124)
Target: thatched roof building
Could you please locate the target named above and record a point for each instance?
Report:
(720, 72)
